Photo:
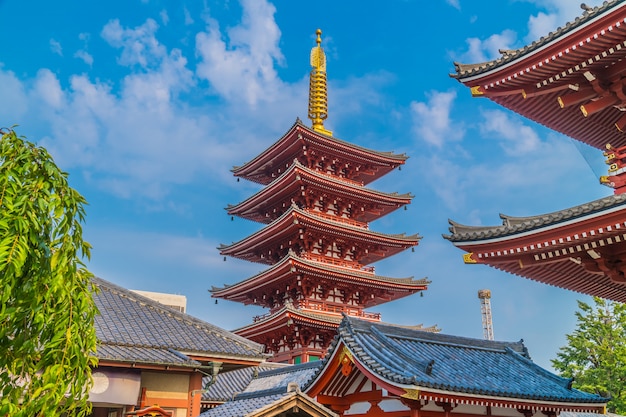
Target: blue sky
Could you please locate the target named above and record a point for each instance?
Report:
(149, 104)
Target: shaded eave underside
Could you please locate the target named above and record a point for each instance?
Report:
(567, 274)
(320, 268)
(289, 142)
(282, 226)
(591, 43)
(298, 173)
(279, 319)
(553, 243)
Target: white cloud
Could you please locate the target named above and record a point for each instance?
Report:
(84, 56)
(515, 137)
(540, 25)
(188, 19)
(242, 68)
(454, 3)
(48, 89)
(431, 121)
(14, 102)
(488, 49)
(556, 13)
(55, 47)
(137, 137)
(139, 45)
(455, 176)
(165, 18)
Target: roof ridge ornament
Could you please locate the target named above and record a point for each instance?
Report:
(318, 91)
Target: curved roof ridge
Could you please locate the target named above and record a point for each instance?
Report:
(328, 318)
(401, 235)
(324, 177)
(407, 280)
(439, 338)
(464, 70)
(313, 216)
(512, 225)
(292, 256)
(564, 382)
(400, 158)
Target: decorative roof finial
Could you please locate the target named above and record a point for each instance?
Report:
(318, 92)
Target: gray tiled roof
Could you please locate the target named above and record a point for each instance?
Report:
(269, 387)
(131, 327)
(241, 408)
(454, 364)
(230, 383)
(277, 380)
(514, 225)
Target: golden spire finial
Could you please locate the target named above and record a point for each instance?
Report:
(318, 95)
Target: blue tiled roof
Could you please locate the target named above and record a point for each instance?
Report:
(230, 383)
(131, 327)
(241, 408)
(455, 364)
(267, 388)
(277, 380)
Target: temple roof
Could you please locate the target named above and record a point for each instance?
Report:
(295, 219)
(296, 175)
(511, 56)
(133, 328)
(228, 384)
(586, 55)
(438, 363)
(512, 226)
(579, 248)
(269, 389)
(290, 145)
(288, 268)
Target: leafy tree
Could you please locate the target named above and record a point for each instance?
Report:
(596, 352)
(47, 334)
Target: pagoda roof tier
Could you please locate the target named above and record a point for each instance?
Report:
(301, 142)
(294, 276)
(288, 316)
(581, 248)
(298, 180)
(298, 228)
(570, 80)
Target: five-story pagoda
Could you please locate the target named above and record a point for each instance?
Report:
(316, 239)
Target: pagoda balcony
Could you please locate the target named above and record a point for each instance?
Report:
(321, 307)
(337, 262)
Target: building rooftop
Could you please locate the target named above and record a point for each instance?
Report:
(134, 328)
(454, 364)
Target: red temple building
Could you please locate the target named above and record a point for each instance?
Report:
(316, 240)
(572, 81)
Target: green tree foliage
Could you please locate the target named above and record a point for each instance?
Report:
(47, 333)
(596, 352)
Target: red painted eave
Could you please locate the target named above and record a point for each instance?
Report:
(283, 151)
(530, 80)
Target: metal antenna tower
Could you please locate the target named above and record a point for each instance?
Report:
(485, 309)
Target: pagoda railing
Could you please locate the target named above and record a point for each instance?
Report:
(339, 219)
(338, 262)
(333, 308)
